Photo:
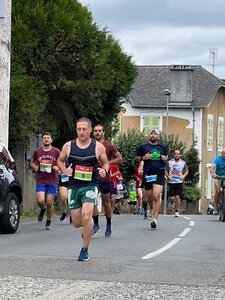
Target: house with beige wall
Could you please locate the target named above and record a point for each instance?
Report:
(195, 111)
(5, 47)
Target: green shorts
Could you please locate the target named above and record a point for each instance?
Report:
(78, 196)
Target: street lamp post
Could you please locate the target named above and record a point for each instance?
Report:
(167, 93)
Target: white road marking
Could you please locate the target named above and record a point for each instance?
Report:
(184, 232)
(163, 249)
(172, 243)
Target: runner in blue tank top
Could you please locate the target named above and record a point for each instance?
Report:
(83, 156)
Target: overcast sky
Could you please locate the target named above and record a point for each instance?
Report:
(161, 32)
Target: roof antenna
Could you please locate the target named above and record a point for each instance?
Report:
(213, 55)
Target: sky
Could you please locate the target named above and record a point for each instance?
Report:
(165, 32)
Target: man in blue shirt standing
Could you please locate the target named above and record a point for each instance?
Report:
(154, 155)
(218, 168)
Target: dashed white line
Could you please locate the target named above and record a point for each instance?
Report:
(163, 249)
(184, 232)
(172, 243)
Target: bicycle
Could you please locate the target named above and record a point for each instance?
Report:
(221, 198)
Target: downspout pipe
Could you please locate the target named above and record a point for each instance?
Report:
(193, 127)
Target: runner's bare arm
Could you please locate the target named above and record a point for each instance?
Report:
(34, 165)
(117, 159)
(64, 154)
(212, 171)
(101, 155)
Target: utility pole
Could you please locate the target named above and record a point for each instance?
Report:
(167, 93)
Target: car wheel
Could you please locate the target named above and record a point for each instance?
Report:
(10, 219)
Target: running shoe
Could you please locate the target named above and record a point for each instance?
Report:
(153, 224)
(41, 214)
(95, 229)
(139, 212)
(145, 215)
(216, 211)
(63, 216)
(108, 231)
(48, 225)
(176, 214)
(83, 255)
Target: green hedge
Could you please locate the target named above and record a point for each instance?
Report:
(191, 193)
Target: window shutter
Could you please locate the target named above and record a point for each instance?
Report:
(210, 133)
(220, 133)
(149, 122)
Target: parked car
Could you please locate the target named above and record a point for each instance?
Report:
(10, 192)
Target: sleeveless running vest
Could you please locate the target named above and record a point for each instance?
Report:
(84, 165)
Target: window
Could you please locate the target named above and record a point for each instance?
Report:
(210, 133)
(149, 121)
(220, 133)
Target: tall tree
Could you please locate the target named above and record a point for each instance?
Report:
(68, 68)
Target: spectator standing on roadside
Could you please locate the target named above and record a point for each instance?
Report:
(84, 155)
(43, 163)
(176, 170)
(154, 155)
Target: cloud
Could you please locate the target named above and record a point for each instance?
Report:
(166, 31)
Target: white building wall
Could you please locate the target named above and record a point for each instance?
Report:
(5, 47)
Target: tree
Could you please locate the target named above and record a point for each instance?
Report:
(70, 67)
(192, 159)
(172, 144)
(127, 143)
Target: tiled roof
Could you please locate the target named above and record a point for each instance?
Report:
(190, 85)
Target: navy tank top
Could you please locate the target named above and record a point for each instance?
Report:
(84, 165)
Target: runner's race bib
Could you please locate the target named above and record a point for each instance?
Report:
(45, 166)
(64, 178)
(150, 178)
(176, 178)
(83, 173)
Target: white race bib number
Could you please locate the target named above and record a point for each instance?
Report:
(150, 178)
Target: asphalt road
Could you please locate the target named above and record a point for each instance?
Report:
(184, 258)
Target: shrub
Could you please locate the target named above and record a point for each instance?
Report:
(191, 193)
